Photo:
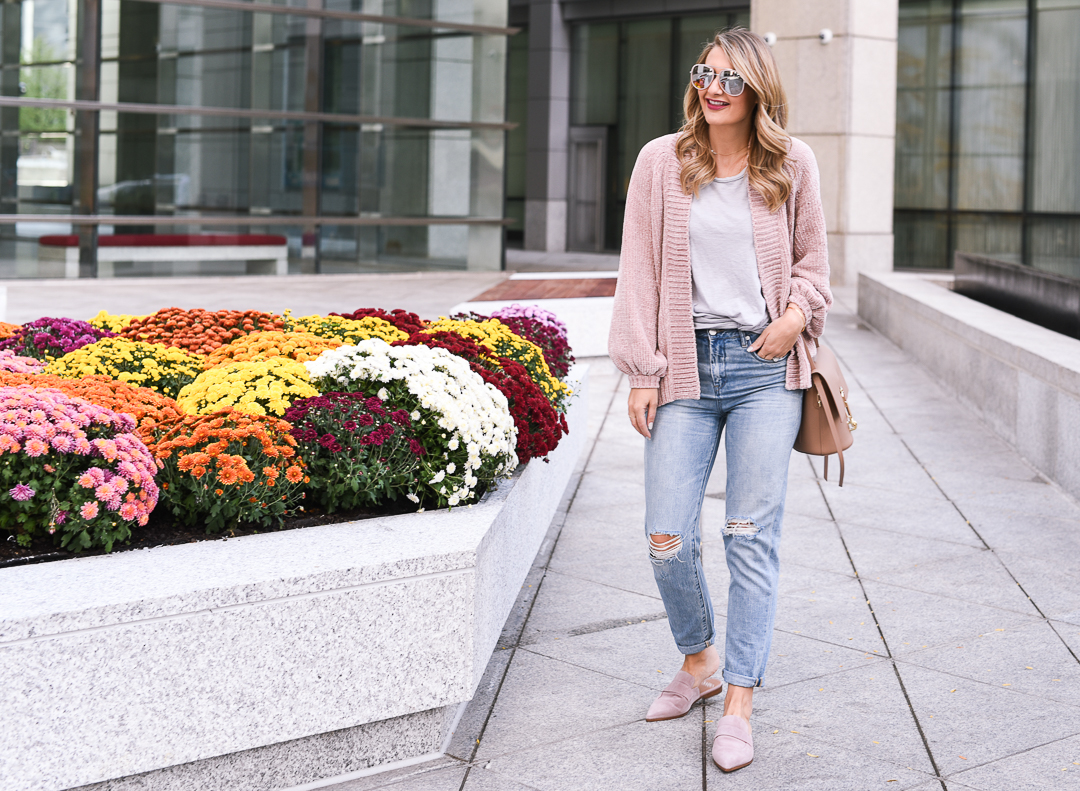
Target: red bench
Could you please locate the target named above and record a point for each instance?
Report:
(169, 248)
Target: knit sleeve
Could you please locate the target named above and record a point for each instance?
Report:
(632, 342)
(810, 268)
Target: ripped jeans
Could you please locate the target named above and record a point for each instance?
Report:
(742, 397)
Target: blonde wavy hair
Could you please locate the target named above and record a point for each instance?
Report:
(751, 57)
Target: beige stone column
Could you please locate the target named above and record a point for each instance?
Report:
(843, 104)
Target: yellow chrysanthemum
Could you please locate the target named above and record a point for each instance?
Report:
(496, 336)
(113, 322)
(255, 387)
(346, 330)
(162, 368)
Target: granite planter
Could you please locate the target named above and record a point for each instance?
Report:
(269, 661)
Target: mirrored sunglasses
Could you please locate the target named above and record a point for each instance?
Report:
(731, 82)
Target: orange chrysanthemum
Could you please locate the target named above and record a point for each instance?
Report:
(152, 411)
(299, 346)
(197, 330)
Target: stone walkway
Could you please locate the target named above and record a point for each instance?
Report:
(927, 633)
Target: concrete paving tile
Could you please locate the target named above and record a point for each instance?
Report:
(483, 780)
(966, 482)
(1030, 658)
(640, 653)
(939, 440)
(567, 605)
(1070, 634)
(585, 538)
(797, 579)
(979, 723)
(629, 572)
(805, 499)
(1055, 542)
(901, 512)
(619, 456)
(602, 493)
(442, 774)
(876, 552)
(1051, 766)
(835, 614)
(463, 742)
(1030, 498)
(796, 658)
(1056, 592)
(544, 701)
(851, 709)
(784, 761)
(635, 756)
(979, 578)
(912, 620)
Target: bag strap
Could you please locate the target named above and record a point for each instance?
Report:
(818, 381)
(827, 408)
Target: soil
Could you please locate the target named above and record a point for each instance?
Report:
(163, 531)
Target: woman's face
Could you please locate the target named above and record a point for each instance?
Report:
(719, 108)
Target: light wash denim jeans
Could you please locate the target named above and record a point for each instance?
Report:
(743, 397)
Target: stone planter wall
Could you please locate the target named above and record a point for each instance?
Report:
(1022, 379)
(268, 661)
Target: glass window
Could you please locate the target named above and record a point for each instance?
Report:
(996, 148)
(517, 80)
(923, 93)
(1055, 185)
(991, 105)
(420, 140)
(631, 77)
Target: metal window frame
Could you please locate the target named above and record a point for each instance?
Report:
(84, 216)
(1026, 215)
(238, 112)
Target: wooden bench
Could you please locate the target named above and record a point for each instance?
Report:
(169, 247)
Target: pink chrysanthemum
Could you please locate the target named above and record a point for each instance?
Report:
(35, 447)
(21, 492)
(89, 510)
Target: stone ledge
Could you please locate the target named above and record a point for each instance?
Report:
(189, 656)
(1023, 379)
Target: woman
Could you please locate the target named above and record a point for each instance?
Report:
(723, 269)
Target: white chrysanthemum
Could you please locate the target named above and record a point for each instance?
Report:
(472, 413)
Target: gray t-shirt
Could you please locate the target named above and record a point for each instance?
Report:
(727, 289)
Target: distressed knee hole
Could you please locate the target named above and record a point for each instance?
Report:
(664, 547)
(737, 526)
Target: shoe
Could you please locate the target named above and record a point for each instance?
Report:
(680, 695)
(733, 747)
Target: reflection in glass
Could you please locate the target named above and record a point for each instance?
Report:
(1055, 185)
(990, 82)
(922, 98)
(189, 165)
(630, 77)
(921, 240)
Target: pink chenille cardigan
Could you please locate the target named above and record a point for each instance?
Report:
(652, 328)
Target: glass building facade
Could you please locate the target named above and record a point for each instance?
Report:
(369, 133)
(627, 79)
(988, 132)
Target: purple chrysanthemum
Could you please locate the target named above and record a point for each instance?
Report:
(21, 492)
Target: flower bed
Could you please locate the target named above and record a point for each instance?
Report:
(237, 420)
(281, 660)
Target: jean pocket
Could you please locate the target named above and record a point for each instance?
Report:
(775, 361)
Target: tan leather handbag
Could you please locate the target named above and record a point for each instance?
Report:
(826, 420)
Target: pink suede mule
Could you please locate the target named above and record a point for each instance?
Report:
(733, 747)
(680, 695)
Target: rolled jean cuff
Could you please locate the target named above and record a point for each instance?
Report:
(695, 649)
(734, 679)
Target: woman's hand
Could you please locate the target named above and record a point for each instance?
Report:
(777, 339)
(642, 407)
